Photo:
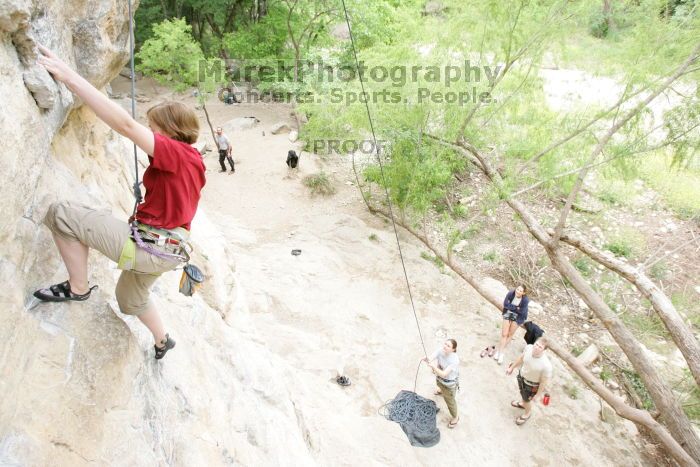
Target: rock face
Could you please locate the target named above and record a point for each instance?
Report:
(78, 381)
(242, 123)
(279, 127)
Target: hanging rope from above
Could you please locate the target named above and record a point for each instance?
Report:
(415, 414)
(137, 185)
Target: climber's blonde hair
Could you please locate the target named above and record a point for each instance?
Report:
(176, 120)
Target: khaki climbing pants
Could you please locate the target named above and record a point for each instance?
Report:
(450, 395)
(109, 235)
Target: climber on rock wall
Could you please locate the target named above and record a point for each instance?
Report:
(161, 223)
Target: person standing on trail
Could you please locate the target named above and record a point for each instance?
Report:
(445, 366)
(161, 223)
(225, 149)
(514, 315)
(533, 377)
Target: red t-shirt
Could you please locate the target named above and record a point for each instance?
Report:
(173, 183)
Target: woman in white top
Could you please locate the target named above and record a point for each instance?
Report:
(445, 366)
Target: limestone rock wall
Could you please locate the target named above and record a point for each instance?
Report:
(79, 384)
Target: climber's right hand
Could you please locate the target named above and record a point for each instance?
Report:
(54, 65)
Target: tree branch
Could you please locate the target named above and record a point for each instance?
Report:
(680, 333)
(606, 138)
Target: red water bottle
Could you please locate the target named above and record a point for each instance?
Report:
(545, 399)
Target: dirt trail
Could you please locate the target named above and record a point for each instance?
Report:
(342, 305)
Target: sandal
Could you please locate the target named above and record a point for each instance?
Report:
(492, 351)
(452, 423)
(167, 345)
(62, 293)
(517, 404)
(485, 352)
(521, 420)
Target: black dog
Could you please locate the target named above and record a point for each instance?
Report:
(292, 159)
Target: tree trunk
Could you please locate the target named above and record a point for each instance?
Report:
(607, 14)
(680, 333)
(641, 417)
(202, 100)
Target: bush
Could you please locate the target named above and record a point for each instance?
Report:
(319, 184)
(584, 266)
(619, 248)
(433, 259)
(627, 243)
(171, 56)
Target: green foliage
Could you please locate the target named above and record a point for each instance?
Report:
(584, 266)
(659, 270)
(571, 390)
(615, 191)
(605, 374)
(645, 325)
(638, 387)
(319, 184)
(149, 13)
(373, 237)
(619, 247)
(679, 186)
(433, 259)
(690, 396)
(418, 175)
(626, 243)
(171, 56)
(490, 256)
(263, 39)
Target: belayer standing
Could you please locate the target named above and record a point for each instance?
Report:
(173, 182)
(445, 366)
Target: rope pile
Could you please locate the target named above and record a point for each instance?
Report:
(417, 417)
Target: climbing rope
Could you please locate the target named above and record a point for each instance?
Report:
(381, 169)
(137, 185)
(415, 414)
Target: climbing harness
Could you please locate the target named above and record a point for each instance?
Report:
(167, 244)
(415, 414)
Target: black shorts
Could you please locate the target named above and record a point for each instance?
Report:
(527, 390)
(510, 315)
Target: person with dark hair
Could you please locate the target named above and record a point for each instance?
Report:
(292, 159)
(161, 223)
(532, 332)
(445, 366)
(514, 315)
(533, 377)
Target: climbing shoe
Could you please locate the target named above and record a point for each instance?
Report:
(167, 345)
(343, 380)
(62, 293)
